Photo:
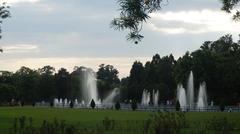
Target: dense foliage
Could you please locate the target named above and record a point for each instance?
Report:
(216, 62)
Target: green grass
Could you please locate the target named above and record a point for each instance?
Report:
(83, 116)
(89, 117)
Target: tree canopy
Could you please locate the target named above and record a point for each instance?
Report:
(4, 13)
(132, 15)
(229, 6)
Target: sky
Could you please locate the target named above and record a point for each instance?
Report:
(68, 33)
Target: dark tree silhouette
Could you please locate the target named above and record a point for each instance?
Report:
(132, 15)
(92, 104)
(117, 105)
(177, 106)
(134, 104)
(229, 5)
(4, 13)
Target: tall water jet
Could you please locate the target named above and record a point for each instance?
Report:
(155, 97)
(145, 97)
(181, 96)
(89, 86)
(55, 102)
(190, 91)
(202, 96)
(110, 98)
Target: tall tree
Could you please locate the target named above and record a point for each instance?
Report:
(136, 81)
(108, 79)
(47, 88)
(62, 83)
(26, 82)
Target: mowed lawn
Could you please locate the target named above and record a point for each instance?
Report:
(83, 116)
(91, 117)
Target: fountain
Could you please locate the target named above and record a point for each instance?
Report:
(187, 99)
(55, 102)
(155, 97)
(181, 96)
(89, 86)
(75, 102)
(110, 98)
(60, 102)
(202, 96)
(145, 97)
(190, 91)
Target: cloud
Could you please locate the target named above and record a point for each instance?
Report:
(21, 1)
(123, 64)
(20, 48)
(193, 22)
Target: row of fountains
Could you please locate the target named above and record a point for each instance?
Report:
(186, 98)
(89, 92)
(146, 97)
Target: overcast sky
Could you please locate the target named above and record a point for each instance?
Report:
(68, 33)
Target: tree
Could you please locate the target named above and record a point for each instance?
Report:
(134, 104)
(177, 106)
(47, 86)
(4, 13)
(229, 5)
(92, 104)
(107, 77)
(26, 82)
(62, 83)
(117, 105)
(133, 13)
(7, 93)
(136, 81)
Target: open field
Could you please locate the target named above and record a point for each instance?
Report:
(86, 116)
(89, 117)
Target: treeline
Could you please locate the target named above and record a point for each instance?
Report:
(28, 86)
(216, 62)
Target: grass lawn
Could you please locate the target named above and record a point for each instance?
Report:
(85, 116)
(90, 117)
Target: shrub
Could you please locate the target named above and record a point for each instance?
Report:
(71, 104)
(92, 104)
(222, 107)
(51, 104)
(177, 106)
(117, 105)
(108, 124)
(23, 126)
(222, 125)
(33, 104)
(134, 105)
(168, 123)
